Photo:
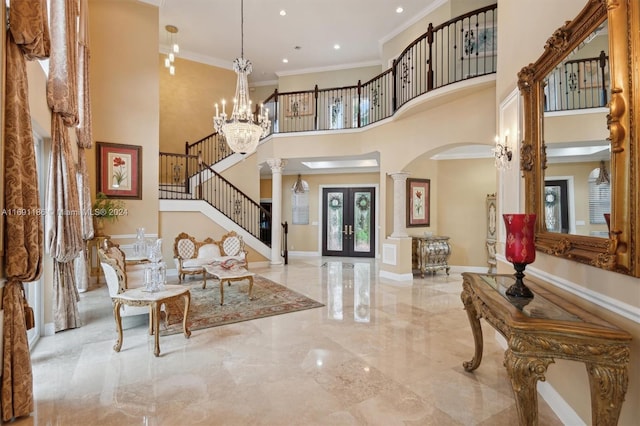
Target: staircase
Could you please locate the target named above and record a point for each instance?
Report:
(195, 176)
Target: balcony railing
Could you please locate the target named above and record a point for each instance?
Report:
(457, 50)
(578, 84)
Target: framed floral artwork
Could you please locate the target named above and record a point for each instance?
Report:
(418, 200)
(119, 170)
(298, 104)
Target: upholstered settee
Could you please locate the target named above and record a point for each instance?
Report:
(190, 255)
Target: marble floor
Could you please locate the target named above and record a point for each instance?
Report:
(379, 352)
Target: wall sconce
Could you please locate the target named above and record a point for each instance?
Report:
(503, 153)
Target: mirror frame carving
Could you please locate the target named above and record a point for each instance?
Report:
(618, 253)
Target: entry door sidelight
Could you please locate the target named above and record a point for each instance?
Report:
(348, 222)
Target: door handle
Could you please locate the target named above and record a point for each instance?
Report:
(350, 230)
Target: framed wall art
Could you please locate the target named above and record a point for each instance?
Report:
(298, 104)
(591, 76)
(119, 170)
(418, 202)
(479, 40)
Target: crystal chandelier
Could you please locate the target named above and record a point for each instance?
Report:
(240, 131)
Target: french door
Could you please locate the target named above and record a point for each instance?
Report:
(556, 206)
(348, 222)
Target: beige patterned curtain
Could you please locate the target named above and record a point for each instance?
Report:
(84, 140)
(28, 38)
(63, 231)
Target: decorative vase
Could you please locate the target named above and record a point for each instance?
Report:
(520, 249)
(155, 274)
(98, 227)
(140, 245)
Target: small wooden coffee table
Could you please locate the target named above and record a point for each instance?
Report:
(154, 300)
(229, 275)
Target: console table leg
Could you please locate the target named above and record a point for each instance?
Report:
(524, 373)
(608, 386)
(187, 304)
(155, 307)
(476, 328)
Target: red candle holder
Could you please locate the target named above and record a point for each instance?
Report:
(520, 249)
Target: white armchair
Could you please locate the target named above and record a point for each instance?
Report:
(112, 261)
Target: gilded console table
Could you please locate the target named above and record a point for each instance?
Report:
(544, 329)
(431, 254)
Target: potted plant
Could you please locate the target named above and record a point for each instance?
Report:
(105, 209)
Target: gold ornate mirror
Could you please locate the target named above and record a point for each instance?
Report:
(579, 97)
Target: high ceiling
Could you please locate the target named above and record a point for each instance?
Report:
(209, 31)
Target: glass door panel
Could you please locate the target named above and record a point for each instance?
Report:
(348, 222)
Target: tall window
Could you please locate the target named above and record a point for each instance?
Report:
(33, 290)
(599, 197)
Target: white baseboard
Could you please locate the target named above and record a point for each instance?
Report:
(49, 329)
(304, 254)
(559, 406)
(396, 277)
(476, 269)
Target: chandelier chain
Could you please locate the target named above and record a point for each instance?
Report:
(242, 29)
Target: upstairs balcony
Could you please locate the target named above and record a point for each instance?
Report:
(459, 49)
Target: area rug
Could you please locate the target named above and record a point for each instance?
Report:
(269, 298)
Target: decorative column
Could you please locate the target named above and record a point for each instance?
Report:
(277, 165)
(399, 204)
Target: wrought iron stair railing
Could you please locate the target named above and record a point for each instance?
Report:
(188, 177)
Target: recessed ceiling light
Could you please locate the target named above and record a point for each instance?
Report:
(283, 12)
(285, 61)
(399, 9)
(336, 46)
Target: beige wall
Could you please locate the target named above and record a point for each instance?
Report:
(259, 94)
(245, 175)
(328, 79)
(531, 34)
(187, 101)
(460, 7)
(266, 188)
(394, 47)
(125, 97)
(568, 378)
(588, 127)
(463, 186)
